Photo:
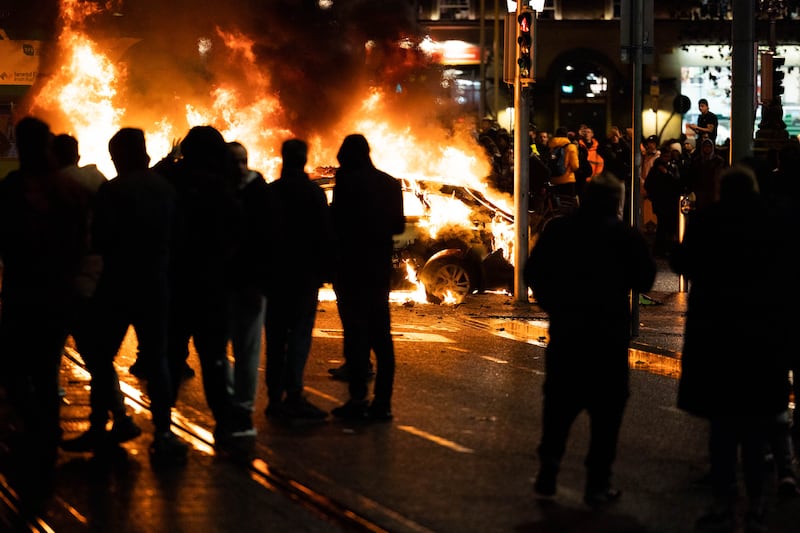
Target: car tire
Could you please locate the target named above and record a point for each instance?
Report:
(447, 280)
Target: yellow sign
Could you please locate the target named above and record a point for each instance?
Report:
(19, 61)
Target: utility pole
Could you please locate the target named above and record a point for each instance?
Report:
(636, 47)
(743, 75)
(526, 21)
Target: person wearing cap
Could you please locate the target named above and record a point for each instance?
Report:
(650, 153)
(707, 122)
(688, 149)
(582, 270)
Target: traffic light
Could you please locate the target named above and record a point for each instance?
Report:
(777, 78)
(771, 78)
(525, 46)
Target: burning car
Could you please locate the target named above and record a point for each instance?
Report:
(456, 240)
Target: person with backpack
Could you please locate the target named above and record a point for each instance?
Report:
(563, 162)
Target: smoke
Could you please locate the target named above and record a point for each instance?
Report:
(315, 60)
(261, 72)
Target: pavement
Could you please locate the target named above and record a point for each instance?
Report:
(208, 482)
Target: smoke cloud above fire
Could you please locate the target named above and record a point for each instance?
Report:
(260, 72)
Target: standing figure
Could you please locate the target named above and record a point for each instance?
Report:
(703, 174)
(564, 184)
(367, 210)
(300, 251)
(132, 230)
(663, 187)
(208, 229)
(43, 234)
(246, 301)
(582, 271)
(737, 254)
(707, 122)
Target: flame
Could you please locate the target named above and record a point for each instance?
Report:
(88, 94)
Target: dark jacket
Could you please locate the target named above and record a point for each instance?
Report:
(43, 236)
(132, 229)
(581, 271)
(299, 234)
(367, 210)
(736, 258)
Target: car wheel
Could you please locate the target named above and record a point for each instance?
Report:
(447, 281)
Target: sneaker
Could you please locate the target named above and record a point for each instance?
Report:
(275, 410)
(598, 498)
(379, 413)
(168, 449)
(352, 410)
(302, 408)
(340, 373)
(87, 441)
(242, 425)
(124, 429)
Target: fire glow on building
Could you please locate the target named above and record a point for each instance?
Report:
(296, 77)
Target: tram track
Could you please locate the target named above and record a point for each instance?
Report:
(63, 515)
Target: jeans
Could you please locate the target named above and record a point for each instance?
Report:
(116, 306)
(366, 321)
(201, 314)
(246, 315)
(289, 324)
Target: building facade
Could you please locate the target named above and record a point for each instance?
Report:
(582, 79)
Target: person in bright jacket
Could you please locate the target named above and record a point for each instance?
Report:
(565, 185)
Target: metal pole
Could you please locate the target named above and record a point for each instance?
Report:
(482, 54)
(637, 28)
(496, 61)
(521, 185)
(743, 104)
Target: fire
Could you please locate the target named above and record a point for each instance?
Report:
(90, 92)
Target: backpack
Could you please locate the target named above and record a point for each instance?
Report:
(584, 170)
(557, 161)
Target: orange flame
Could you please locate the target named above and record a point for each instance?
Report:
(87, 96)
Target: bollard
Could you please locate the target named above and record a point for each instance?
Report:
(685, 205)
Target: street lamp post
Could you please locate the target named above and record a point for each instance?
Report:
(524, 78)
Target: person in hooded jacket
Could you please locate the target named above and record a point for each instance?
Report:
(367, 209)
(736, 255)
(300, 259)
(565, 185)
(207, 236)
(582, 271)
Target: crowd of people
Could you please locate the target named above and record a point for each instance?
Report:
(678, 167)
(197, 247)
(737, 255)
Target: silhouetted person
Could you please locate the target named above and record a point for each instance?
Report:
(246, 302)
(43, 228)
(663, 187)
(367, 209)
(132, 229)
(735, 254)
(703, 174)
(206, 238)
(582, 270)
(65, 148)
(300, 254)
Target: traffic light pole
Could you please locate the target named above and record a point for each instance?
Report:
(521, 172)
